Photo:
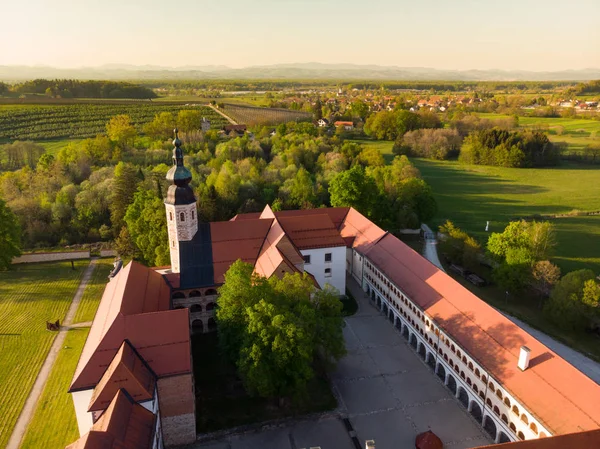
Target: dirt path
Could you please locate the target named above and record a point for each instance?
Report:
(27, 413)
(229, 119)
(430, 247)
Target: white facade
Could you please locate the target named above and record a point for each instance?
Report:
(81, 401)
(182, 225)
(331, 272)
(500, 414)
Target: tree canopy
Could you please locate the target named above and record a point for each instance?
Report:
(275, 329)
(10, 236)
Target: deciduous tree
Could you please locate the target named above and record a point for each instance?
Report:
(10, 236)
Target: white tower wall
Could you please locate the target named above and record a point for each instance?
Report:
(182, 225)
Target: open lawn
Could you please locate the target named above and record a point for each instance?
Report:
(54, 424)
(470, 195)
(30, 295)
(93, 291)
(54, 146)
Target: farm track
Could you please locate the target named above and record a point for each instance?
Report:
(29, 297)
(41, 378)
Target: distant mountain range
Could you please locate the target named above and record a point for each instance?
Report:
(306, 71)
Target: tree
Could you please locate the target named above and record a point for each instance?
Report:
(566, 306)
(120, 130)
(10, 236)
(188, 120)
(124, 186)
(354, 188)
(147, 226)
(545, 275)
(302, 190)
(274, 330)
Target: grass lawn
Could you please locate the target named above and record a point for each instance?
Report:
(54, 424)
(221, 401)
(54, 146)
(30, 295)
(470, 195)
(384, 146)
(93, 291)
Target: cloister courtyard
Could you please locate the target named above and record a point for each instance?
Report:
(385, 390)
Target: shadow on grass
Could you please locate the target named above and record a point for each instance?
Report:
(222, 402)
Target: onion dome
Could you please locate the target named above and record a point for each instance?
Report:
(179, 191)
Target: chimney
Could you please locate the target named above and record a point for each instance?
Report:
(524, 358)
(370, 444)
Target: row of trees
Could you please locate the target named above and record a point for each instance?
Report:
(82, 89)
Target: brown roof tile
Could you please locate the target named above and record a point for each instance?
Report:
(560, 396)
(579, 440)
(362, 230)
(336, 214)
(311, 231)
(128, 372)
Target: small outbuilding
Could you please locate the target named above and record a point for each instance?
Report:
(428, 440)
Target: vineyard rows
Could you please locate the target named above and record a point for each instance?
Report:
(30, 296)
(82, 120)
(251, 116)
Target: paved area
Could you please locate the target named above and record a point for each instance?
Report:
(384, 389)
(430, 248)
(27, 413)
(584, 364)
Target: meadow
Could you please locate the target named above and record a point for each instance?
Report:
(471, 195)
(93, 291)
(30, 295)
(54, 424)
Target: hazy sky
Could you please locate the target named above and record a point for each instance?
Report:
(448, 34)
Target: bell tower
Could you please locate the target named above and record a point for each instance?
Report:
(180, 204)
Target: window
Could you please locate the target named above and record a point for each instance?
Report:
(193, 215)
(327, 272)
(171, 216)
(327, 257)
(306, 259)
(181, 216)
(173, 243)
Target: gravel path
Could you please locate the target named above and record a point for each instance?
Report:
(27, 413)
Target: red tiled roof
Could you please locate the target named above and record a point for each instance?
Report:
(560, 396)
(124, 425)
(248, 216)
(126, 371)
(360, 231)
(579, 440)
(135, 307)
(311, 231)
(233, 240)
(336, 214)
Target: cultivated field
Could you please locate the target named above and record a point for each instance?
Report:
(250, 115)
(29, 296)
(470, 195)
(42, 122)
(54, 424)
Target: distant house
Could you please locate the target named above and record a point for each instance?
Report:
(323, 122)
(348, 126)
(205, 124)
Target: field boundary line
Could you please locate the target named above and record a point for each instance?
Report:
(26, 414)
(229, 119)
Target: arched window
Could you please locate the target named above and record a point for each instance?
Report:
(481, 394)
(458, 353)
(515, 410)
(195, 308)
(464, 360)
(499, 394)
(492, 388)
(210, 292)
(452, 348)
(483, 379)
(543, 435)
(471, 366)
(488, 401)
(496, 410)
(178, 295)
(475, 389)
(210, 306)
(504, 418)
(521, 436)
(533, 428)
(524, 418)
(507, 402)
(512, 427)
(195, 294)
(462, 374)
(469, 383)
(477, 373)
(181, 216)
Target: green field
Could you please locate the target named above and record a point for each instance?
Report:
(54, 424)
(30, 295)
(470, 195)
(93, 291)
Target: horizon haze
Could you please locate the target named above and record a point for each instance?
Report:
(536, 35)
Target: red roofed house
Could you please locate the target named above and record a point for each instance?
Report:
(348, 126)
(139, 343)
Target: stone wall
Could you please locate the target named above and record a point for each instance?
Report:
(51, 257)
(108, 253)
(177, 411)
